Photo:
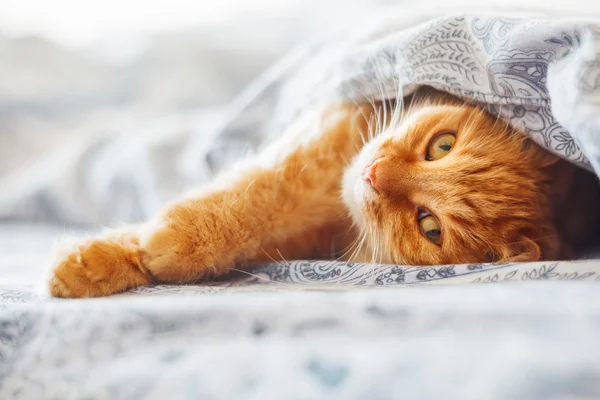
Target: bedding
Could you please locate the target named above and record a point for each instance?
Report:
(307, 329)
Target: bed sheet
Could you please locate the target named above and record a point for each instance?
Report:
(304, 330)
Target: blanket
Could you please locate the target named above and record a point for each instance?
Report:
(540, 75)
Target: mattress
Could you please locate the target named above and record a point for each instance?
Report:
(304, 330)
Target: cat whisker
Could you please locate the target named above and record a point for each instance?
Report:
(283, 260)
(371, 131)
(274, 261)
(362, 135)
(363, 138)
(537, 238)
(374, 115)
(266, 280)
(347, 249)
(358, 247)
(373, 250)
(385, 123)
(398, 106)
(368, 99)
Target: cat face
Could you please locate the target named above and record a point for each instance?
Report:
(452, 184)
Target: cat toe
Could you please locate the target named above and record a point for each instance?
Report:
(97, 268)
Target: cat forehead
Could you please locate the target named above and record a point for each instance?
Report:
(419, 117)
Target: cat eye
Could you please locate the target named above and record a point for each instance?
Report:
(440, 145)
(430, 227)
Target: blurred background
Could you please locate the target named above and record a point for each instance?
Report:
(73, 72)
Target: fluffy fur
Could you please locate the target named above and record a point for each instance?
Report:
(497, 196)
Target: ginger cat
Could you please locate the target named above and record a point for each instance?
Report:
(439, 182)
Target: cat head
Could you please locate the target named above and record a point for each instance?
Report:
(450, 183)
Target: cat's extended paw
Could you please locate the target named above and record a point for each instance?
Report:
(97, 267)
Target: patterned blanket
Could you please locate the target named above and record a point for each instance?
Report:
(540, 75)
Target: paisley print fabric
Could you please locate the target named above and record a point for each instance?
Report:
(535, 74)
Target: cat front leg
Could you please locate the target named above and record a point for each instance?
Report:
(289, 190)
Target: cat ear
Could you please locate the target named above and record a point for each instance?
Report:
(524, 249)
(542, 158)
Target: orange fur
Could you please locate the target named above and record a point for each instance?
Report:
(493, 195)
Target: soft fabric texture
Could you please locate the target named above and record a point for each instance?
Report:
(305, 330)
(541, 75)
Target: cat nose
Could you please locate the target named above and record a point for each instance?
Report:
(369, 174)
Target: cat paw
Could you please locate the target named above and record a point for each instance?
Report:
(97, 267)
